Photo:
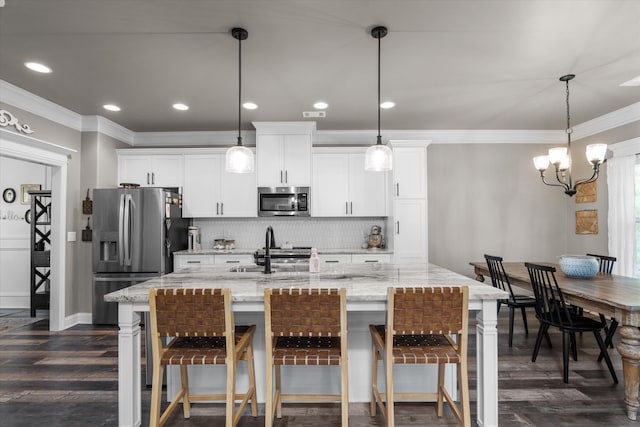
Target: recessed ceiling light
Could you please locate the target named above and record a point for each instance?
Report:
(111, 107)
(633, 82)
(320, 105)
(180, 106)
(36, 66)
(250, 105)
(388, 104)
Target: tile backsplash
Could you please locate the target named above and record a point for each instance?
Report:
(323, 233)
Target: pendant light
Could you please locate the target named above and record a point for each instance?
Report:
(239, 159)
(560, 157)
(378, 157)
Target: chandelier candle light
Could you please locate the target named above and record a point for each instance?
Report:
(560, 157)
(378, 157)
(239, 159)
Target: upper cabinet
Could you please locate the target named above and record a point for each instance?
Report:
(150, 168)
(409, 177)
(341, 186)
(283, 153)
(210, 191)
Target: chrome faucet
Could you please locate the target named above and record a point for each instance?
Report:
(269, 243)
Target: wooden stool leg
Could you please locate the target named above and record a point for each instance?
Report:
(156, 395)
(268, 410)
(252, 380)
(278, 393)
(465, 404)
(345, 391)
(231, 393)
(440, 388)
(389, 392)
(186, 402)
(374, 380)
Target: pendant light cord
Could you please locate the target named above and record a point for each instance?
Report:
(239, 89)
(569, 131)
(379, 139)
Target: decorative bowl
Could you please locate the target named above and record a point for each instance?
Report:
(579, 266)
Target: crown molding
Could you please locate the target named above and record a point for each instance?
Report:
(630, 147)
(612, 120)
(20, 98)
(201, 138)
(107, 127)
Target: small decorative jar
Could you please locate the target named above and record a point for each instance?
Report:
(579, 266)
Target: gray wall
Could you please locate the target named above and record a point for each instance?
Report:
(488, 198)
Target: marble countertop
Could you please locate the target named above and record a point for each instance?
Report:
(364, 282)
(250, 251)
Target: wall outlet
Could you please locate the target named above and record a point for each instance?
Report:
(71, 236)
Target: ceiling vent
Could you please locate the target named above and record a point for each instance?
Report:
(314, 114)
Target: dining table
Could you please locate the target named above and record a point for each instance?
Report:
(612, 295)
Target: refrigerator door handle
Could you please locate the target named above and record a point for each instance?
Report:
(127, 228)
(121, 231)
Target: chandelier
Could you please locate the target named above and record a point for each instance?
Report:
(560, 157)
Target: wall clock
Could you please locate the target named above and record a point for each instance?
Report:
(9, 195)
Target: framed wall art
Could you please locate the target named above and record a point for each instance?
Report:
(25, 198)
(587, 222)
(586, 193)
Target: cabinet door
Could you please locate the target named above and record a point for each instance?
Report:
(167, 171)
(234, 259)
(370, 258)
(367, 190)
(201, 193)
(269, 160)
(181, 261)
(409, 172)
(329, 192)
(410, 240)
(238, 194)
(135, 170)
(297, 160)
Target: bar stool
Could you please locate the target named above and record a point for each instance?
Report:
(420, 322)
(304, 327)
(204, 333)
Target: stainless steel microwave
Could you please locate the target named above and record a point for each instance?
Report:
(283, 201)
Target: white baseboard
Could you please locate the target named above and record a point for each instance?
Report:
(77, 319)
(15, 300)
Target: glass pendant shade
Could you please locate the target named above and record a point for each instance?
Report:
(239, 159)
(378, 158)
(557, 155)
(541, 162)
(596, 153)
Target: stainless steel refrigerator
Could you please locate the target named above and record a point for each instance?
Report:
(135, 232)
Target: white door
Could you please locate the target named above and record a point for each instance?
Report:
(329, 191)
(297, 160)
(269, 160)
(238, 194)
(201, 193)
(167, 171)
(410, 243)
(409, 172)
(134, 170)
(367, 190)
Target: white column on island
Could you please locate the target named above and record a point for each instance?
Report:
(487, 364)
(129, 382)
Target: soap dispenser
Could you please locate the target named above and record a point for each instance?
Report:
(314, 261)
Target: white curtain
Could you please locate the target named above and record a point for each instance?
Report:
(621, 218)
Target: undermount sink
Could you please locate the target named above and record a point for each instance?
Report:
(299, 267)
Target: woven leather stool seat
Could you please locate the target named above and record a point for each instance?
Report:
(305, 327)
(421, 324)
(307, 351)
(201, 323)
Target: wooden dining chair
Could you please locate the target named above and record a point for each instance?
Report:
(500, 280)
(201, 323)
(305, 327)
(552, 310)
(605, 266)
(419, 330)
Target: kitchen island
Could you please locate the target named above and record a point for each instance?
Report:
(366, 287)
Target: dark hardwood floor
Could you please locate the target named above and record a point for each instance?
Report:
(69, 378)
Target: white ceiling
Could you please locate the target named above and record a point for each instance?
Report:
(447, 64)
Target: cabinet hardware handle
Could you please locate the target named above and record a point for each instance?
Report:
(217, 208)
(148, 182)
(397, 189)
(332, 261)
(235, 261)
(153, 178)
(281, 177)
(351, 205)
(286, 177)
(193, 262)
(370, 260)
(397, 227)
(346, 208)
(221, 208)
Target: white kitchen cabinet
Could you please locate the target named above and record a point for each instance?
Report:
(409, 220)
(210, 191)
(150, 169)
(341, 186)
(234, 259)
(187, 260)
(283, 153)
(370, 258)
